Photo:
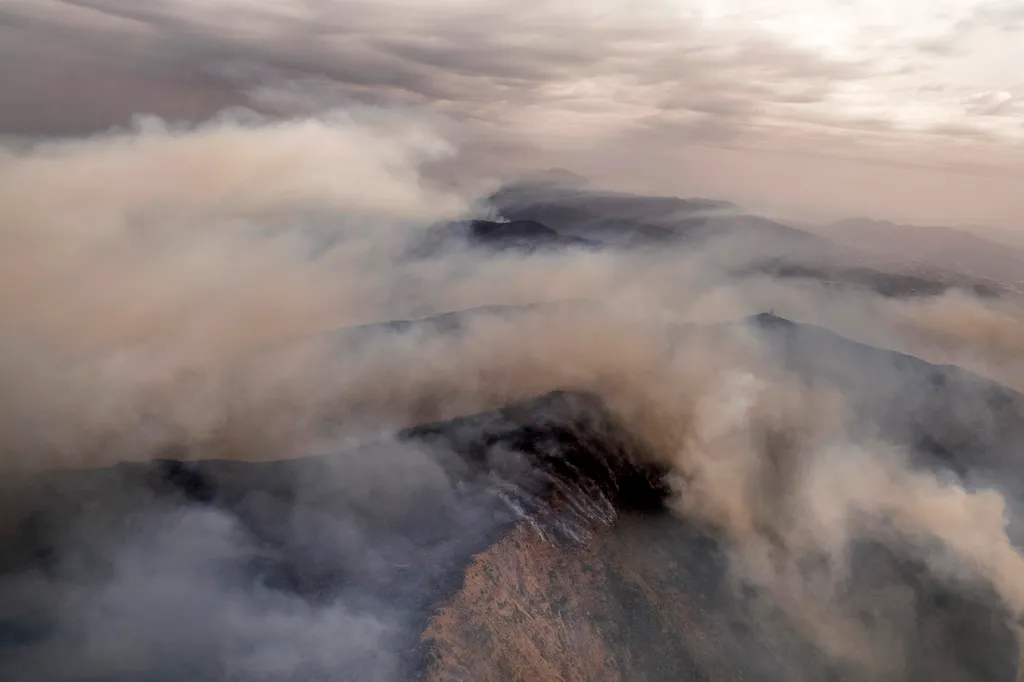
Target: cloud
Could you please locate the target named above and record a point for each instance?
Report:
(492, 62)
(990, 103)
(525, 86)
(1004, 15)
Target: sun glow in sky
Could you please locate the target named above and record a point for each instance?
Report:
(931, 62)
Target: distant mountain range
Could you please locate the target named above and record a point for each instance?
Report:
(937, 246)
(559, 211)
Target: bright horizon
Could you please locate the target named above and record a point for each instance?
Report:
(818, 110)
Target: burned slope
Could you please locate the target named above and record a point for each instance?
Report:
(340, 558)
(527, 543)
(549, 533)
(649, 598)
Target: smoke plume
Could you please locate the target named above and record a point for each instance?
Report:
(210, 292)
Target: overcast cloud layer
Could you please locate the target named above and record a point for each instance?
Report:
(908, 112)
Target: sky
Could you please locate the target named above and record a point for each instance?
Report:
(909, 111)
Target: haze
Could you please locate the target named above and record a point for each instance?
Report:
(255, 327)
(812, 110)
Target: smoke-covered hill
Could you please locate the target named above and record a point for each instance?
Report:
(275, 408)
(377, 539)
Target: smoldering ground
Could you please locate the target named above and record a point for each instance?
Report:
(190, 293)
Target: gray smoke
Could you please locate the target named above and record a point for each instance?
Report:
(178, 290)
